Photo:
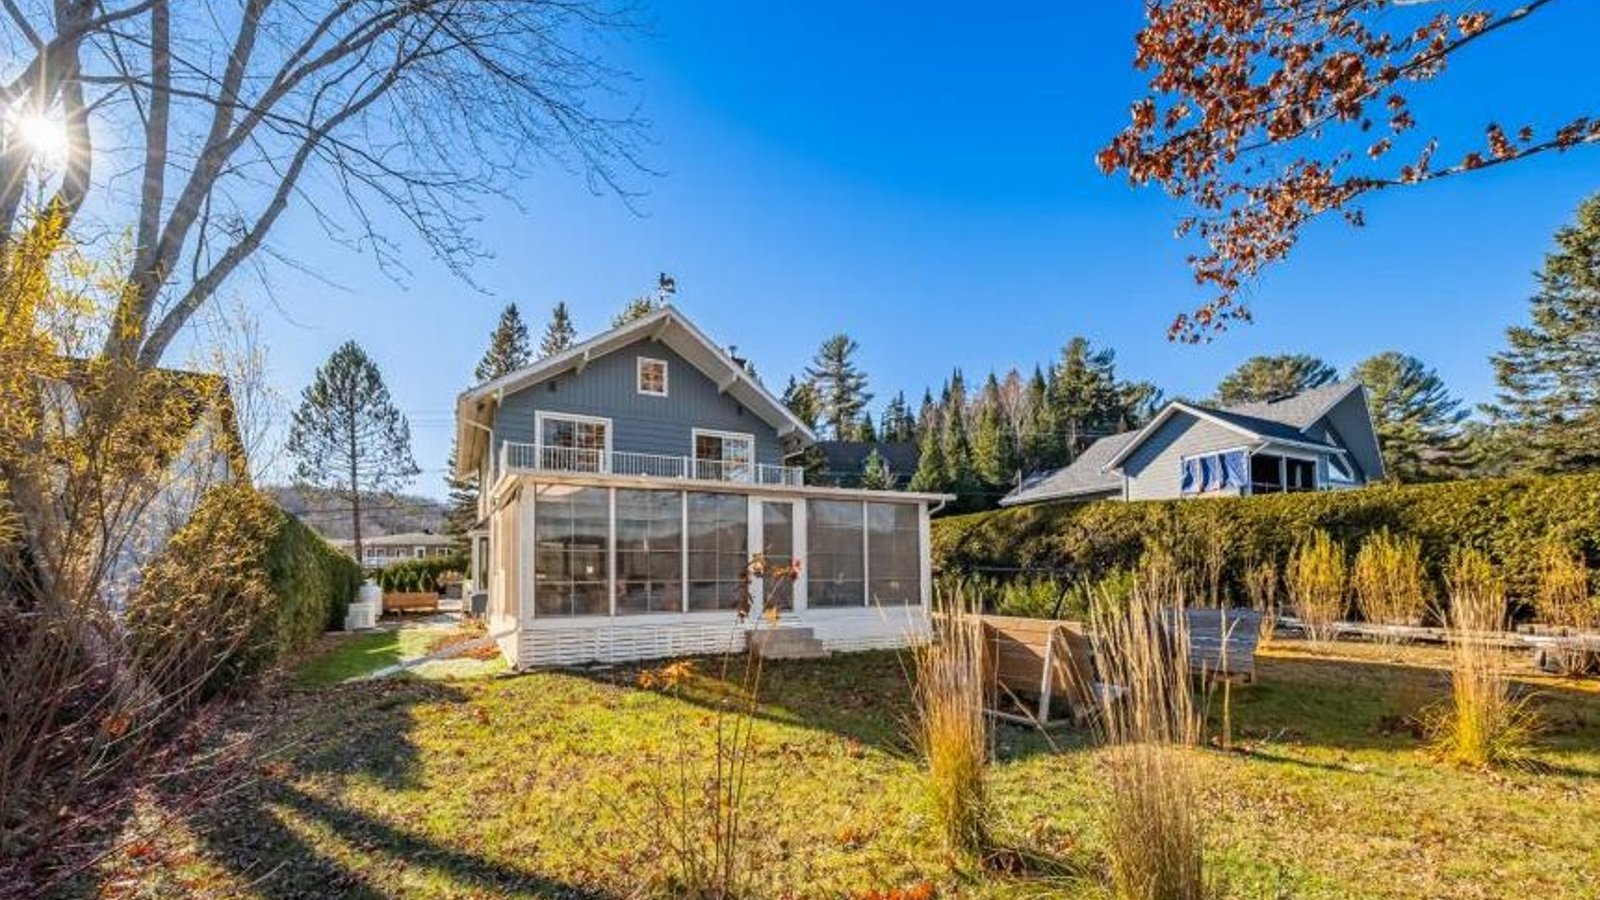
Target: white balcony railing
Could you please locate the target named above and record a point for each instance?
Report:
(533, 458)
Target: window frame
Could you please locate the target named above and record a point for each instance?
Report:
(638, 376)
(540, 417)
(695, 434)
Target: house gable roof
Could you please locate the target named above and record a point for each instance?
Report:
(667, 325)
(1086, 475)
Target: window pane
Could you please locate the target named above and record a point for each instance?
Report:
(719, 549)
(649, 548)
(571, 445)
(892, 538)
(833, 540)
(570, 525)
(777, 545)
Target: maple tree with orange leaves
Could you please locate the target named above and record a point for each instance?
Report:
(1265, 114)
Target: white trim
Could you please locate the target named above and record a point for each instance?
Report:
(638, 376)
(866, 554)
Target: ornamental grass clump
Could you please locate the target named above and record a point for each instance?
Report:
(1563, 596)
(1483, 725)
(1261, 585)
(1150, 722)
(1317, 578)
(950, 727)
(1390, 585)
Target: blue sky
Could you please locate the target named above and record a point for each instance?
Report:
(926, 183)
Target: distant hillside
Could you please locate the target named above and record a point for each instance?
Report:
(380, 513)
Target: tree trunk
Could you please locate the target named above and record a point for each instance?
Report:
(355, 494)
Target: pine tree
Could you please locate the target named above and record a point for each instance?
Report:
(559, 333)
(802, 400)
(865, 431)
(994, 445)
(348, 436)
(897, 424)
(841, 387)
(876, 474)
(507, 352)
(508, 347)
(1418, 421)
(1086, 401)
(961, 477)
(1039, 445)
(1547, 408)
(931, 476)
(1262, 378)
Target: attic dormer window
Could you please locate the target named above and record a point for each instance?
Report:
(652, 376)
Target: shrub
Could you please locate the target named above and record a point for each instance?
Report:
(951, 727)
(422, 574)
(1317, 579)
(1390, 585)
(1563, 595)
(1483, 725)
(1509, 518)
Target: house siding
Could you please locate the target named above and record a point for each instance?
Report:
(1351, 429)
(608, 388)
(1153, 471)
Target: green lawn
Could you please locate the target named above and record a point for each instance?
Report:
(541, 785)
(359, 654)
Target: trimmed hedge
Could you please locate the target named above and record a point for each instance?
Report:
(1509, 519)
(422, 574)
(238, 586)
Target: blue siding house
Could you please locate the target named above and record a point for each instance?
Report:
(628, 481)
(1321, 439)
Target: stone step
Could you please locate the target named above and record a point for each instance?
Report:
(787, 643)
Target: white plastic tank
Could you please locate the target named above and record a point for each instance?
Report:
(363, 613)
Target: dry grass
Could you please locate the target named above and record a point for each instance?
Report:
(1483, 725)
(1391, 587)
(951, 730)
(1317, 578)
(1564, 596)
(1151, 817)
(1261, 585)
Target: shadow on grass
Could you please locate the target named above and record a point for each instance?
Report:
(287, 841)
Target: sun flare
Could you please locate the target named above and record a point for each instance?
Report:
(46, 134)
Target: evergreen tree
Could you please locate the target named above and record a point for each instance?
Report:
(1548, 404)
(931, 476)
(994, 453)
(876, 474)
(960, 475)
(508, 347)
(559, 333)
(841, 387)
(897, 424)
(1038, 447)
(1086, 403)
(639, 307)
(865, 431)
(1262, 378)
(507, 352)
(1417, 420)
(802, 400)
(348, 436)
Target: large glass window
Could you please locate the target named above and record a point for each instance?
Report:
(649, 551)
(719, 549)
(571, 526)
(835, 570)
(721, 456)
(573, 444)
(777, 546)
(896, 565)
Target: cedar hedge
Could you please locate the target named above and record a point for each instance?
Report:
(238, 586)
(1508, 518)
(422, 574)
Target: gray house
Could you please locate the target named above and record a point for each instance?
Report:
(1322, 439)
(628, 481)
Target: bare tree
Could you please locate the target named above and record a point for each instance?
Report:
(212, 119)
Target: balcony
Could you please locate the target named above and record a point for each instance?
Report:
(517, 457)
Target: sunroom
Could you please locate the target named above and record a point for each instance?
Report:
(631, 569)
